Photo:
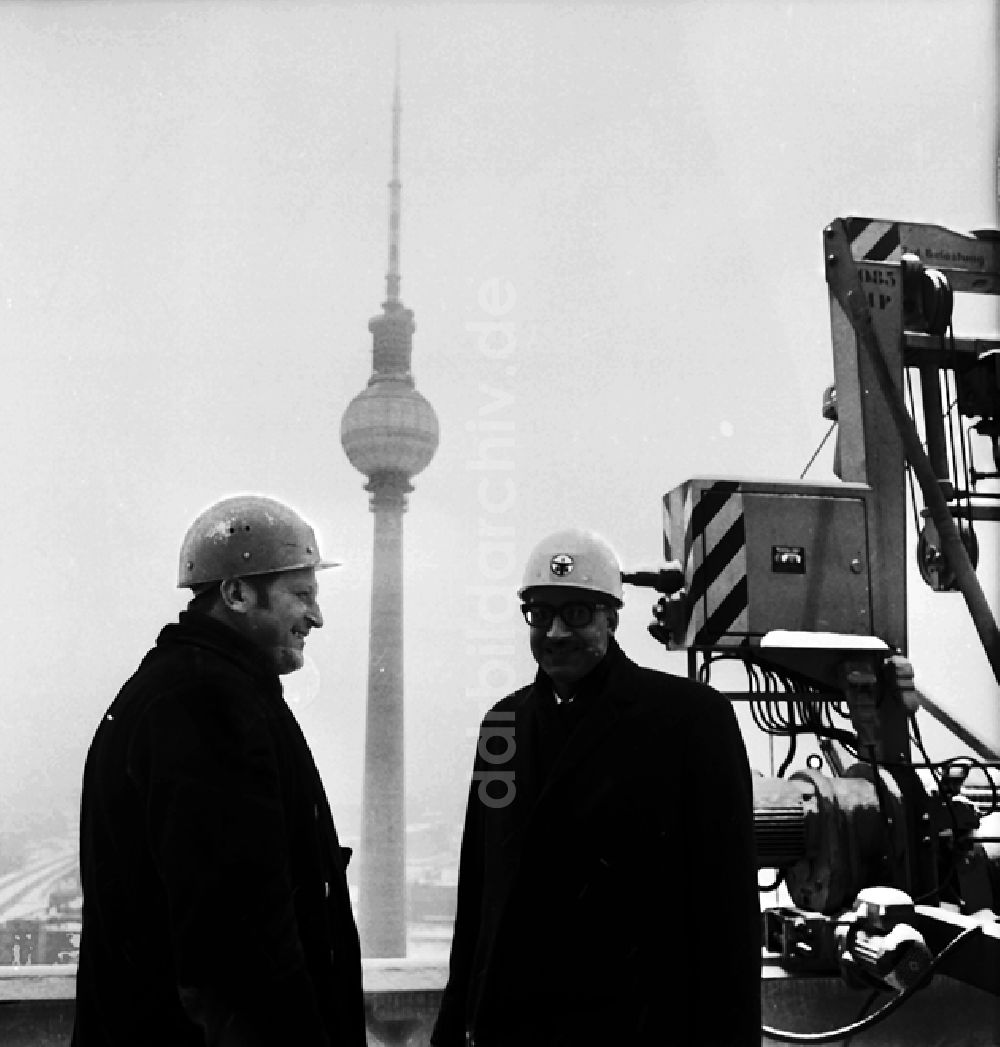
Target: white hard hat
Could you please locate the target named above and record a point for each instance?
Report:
(575, 559)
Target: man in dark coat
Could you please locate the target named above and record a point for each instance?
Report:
(216, 910)
(607, 884)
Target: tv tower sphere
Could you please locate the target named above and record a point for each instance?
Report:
(389, 428)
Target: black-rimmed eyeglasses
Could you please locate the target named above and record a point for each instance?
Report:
(576, 614)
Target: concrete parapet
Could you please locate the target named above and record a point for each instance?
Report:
(402, 998)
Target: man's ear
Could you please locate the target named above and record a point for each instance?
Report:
(612, 619)
(237, 595)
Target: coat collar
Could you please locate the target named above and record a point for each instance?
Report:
(199, 630)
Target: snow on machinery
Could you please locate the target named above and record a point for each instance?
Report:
(887, 856)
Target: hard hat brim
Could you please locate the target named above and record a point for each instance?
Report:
(321, 565)
(589, 590)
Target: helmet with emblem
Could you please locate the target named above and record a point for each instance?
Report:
(245, 535)
(574, 559)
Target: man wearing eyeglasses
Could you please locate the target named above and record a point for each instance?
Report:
(607, 884)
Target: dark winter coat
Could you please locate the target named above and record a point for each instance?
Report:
(216, 909)
(607, 887)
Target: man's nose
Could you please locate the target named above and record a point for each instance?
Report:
(558, 629)
(315, 616)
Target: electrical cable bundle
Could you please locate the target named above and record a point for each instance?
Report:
(789, 706)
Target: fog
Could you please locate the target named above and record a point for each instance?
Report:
(193, 236)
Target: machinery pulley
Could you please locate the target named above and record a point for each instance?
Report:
(933, 564)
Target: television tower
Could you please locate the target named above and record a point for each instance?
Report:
(389, 433)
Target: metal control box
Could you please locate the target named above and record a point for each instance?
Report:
(760, 555)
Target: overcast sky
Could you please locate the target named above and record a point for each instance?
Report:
(193, 237)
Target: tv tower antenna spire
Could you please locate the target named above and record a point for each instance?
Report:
(392, 277)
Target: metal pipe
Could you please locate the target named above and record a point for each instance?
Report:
(958, 729)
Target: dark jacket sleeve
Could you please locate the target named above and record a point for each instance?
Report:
(722, 942)
(449, 1029)
(206, 767)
